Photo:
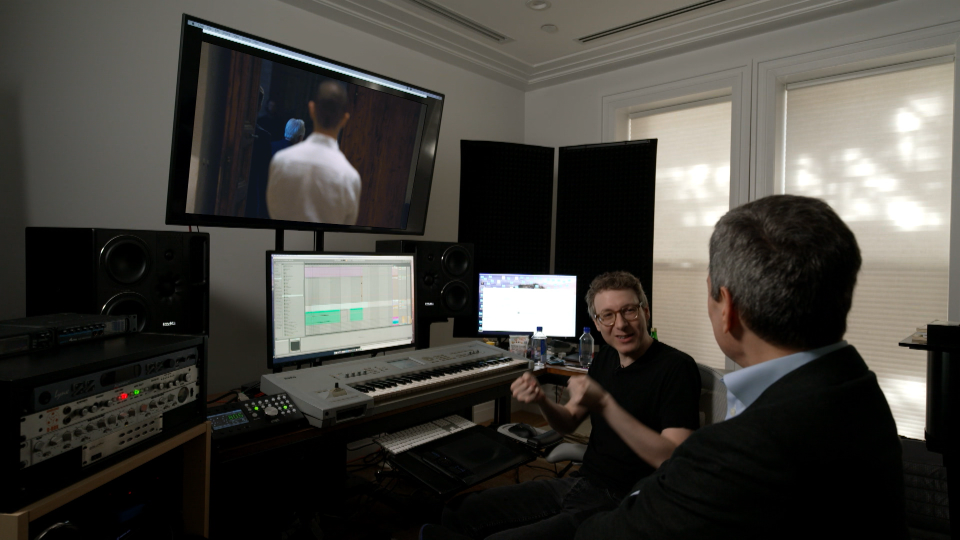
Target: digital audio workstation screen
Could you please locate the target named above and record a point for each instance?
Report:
(519, 303)
(325, 305)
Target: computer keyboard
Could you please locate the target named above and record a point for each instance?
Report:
(402, 441)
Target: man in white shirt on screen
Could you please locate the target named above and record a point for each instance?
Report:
(313, 181)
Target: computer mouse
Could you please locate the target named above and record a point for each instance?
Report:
(523, 430)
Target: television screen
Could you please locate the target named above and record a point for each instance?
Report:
(519, 303)
(322, 306)
(266, 136)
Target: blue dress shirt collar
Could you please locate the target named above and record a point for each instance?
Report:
(745, 386)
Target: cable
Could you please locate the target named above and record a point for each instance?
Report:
(371, 443)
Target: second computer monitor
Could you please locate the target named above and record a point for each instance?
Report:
(323, 306)
(519, 303)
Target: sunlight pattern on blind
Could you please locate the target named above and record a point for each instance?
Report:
(878, 150)
(693, 192)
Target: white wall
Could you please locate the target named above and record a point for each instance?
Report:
(86, 103)
(571, 113)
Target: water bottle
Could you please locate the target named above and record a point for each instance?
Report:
(586, 348)
(539, 345)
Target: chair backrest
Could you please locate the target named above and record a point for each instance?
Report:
(713, 395)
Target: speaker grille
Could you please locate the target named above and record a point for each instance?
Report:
(126, 259)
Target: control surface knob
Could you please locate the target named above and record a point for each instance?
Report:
(54, 441)
(188, 378)
(77, 432)
(270, 411)
(90, 428)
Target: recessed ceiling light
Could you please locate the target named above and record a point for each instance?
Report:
(538, 5)
(550, 28)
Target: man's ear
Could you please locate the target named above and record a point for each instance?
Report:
(730, 321)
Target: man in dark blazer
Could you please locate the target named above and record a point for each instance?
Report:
(809, 448)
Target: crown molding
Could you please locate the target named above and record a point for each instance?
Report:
(404, 24)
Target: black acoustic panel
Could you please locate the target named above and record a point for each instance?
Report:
(160, 276)
(506, 199)
(605, 202)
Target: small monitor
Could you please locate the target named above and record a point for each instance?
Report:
(519, 303)
(322, 306)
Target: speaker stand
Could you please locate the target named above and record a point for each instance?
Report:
(423, 333)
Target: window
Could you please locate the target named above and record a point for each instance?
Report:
(692, 193)
(877, 146)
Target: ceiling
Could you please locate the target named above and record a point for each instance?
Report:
(504, 39)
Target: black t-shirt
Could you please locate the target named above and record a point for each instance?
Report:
(661, 389)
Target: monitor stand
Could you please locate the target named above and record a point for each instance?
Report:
(317, 240)
(423, 333)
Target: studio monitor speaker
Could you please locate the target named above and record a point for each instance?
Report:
(445, 272)
(160, 276)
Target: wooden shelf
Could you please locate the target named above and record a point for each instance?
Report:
(195, 444)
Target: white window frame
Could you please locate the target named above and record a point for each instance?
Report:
(732, 84)
(773, 77)
(617, 109)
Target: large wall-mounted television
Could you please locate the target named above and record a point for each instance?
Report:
(242, 99)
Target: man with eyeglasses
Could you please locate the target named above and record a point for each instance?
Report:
(809, 448)
(642, 398)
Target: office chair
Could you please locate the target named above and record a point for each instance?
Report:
(713, 409)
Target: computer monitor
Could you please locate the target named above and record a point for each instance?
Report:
(519, 303)
(322, 306)
(242, 100)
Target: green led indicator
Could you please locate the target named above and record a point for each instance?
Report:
(284, 406)
(256, 408)
(136, 392)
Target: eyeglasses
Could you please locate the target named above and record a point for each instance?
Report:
(609, 318)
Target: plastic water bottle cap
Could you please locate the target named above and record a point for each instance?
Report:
(539, 329)
(586, 329)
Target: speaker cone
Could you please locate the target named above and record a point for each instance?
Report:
(126, 259)
(455, 296)
(128, 303)
(456, 260)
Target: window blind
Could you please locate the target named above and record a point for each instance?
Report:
(693, 192)
(878, 149)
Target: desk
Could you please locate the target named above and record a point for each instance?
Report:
(557, 375)
(304, 470)
(195, 444)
